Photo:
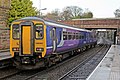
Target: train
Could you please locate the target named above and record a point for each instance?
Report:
(35, 42)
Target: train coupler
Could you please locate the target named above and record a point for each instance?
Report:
(27, 60)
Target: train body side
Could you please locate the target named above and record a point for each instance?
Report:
(62, 45)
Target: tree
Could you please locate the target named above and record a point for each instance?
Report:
(53, 15)
(68, 13)
(65, 15)
(21, 8)
(117, 13)
(87, 14)
(71, 12)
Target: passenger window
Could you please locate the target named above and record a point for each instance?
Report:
(15, 31)
(77, 36)
(69, 35)
(92, 36)
(87, 36)
(73, 36)
(39, 31)
(64, 35)
(82, 36)
(51, 34)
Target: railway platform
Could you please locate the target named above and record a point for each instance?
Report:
(109, 67)
(5, 55)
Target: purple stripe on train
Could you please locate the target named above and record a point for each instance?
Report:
(67, 45)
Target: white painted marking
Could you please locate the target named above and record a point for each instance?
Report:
(64, 26)
(98, 65)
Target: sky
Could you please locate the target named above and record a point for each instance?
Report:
(99, 8)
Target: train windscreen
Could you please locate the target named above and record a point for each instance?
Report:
(15, 30)
(39, 31)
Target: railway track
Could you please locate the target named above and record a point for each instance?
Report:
(83, 70)
(55, 72)
(20, 74)
(8, 72)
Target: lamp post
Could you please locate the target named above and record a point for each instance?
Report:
(40, 8)
(40, 14)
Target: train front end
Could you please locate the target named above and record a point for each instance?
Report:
(28, 43)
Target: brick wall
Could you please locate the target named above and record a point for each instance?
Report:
(96, 23)
(4, 28)
(101, 22)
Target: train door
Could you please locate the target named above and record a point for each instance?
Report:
(54, 40)
(26, 33)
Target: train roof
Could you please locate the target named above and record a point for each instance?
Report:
(47, 22)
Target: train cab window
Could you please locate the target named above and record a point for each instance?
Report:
(15, 30)
(39, 31)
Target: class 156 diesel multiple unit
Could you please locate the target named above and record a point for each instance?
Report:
(35, 42)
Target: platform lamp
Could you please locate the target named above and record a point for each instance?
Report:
(40, 8)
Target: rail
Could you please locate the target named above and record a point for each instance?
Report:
(79, 66)
(47, 73)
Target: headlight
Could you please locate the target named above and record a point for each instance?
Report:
(40, 49)
(15, 49)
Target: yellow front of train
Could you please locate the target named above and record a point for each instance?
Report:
(28, 42)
